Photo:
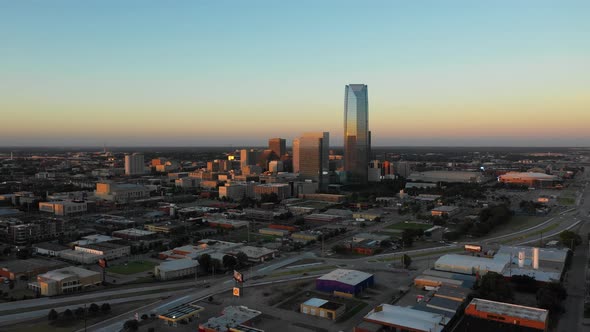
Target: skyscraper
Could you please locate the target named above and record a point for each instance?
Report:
(357, 138)
(310, 157)
(134, 164)
(278, 146)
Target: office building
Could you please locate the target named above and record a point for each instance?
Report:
(120, 192)
(278, 146)
(248, 157)
(134, 164)
(66, 280)
(311, 157)
(357, 138)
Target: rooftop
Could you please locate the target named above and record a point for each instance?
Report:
(512, 310)
(177, 264)
(181, 311)
(350, 277)
(390, 315)
(50, 246)
(232, 316)
(67, 272)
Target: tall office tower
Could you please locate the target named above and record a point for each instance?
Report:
(278, 146)
(310, 157)
(134, 164)
(357, 138)
(248, 157)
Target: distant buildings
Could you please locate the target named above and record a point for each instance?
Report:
(530, 179)
(357, 138)
(278, 146)
(134, 164)
(396, 318)
(447, 176)
(234, 318)
(64, 208)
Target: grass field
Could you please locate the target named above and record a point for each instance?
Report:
(132, 267)
(566, 200)
(409, 225)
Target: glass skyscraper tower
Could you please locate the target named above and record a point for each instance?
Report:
(357, 138)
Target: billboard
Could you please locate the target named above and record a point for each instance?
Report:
(238, 277)
(236, 291)
(473, 247)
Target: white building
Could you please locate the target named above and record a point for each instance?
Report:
(176, 268)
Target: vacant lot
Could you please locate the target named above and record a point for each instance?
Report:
(132, 267)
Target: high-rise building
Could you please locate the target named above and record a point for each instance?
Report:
(134, 164)
(248, 157)
(310, 157)
(357, 138)
(278, 146)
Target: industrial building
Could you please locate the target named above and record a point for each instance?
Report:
(120, 193)
(134, 234)
(176, 269)
(530, 179)
(322, 308)
(49, 248)
(64, 281)
(471, 264)
(394, 318)
(345, 281)
(485, 315)
(108, 250)
(64, 208)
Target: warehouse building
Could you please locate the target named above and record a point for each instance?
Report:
(176, 269)
(447, 176)
(64, 281)
(49, 249)
(471, 265)
(484, 315)
(345, 281)
(108, 250)
(322, 308)
(274, 232)
(391, 317)
(134, 234)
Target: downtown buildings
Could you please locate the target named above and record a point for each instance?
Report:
(310, 157)
(357, 137)
(134, 164)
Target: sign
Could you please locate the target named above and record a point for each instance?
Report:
(238, 277)
(137, 316)
(473, 247)
(103, 263)
(237, 291)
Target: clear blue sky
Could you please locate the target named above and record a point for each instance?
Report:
(237, 72)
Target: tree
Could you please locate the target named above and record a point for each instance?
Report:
(229, 262)
(407, 237)
(68, 314)
(406, 261)
(242, 258)
(524, 283)
(105, 308)
(215, 264)
(79, 312)
(339, 248)
(205, 261)
(52, 315)
(493, 287)
(570, 239)
(550, 297)
(144, 317)
(94, 308)
(131, 325)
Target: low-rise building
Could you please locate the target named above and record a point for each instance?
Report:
(27, 268)
(80, 257)
(64, 208)
(322, 308)
(66, 280)
(510, 315)
(345, 281)
(176, 269)
(121, 192)
(49, 249)
(399, 318)
(233, 317)
(134, 234)
(274, 232)
(108, 250)
(183, 313)
(445, 211)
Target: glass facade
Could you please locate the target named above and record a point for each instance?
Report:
(357, 140)
(310, 157)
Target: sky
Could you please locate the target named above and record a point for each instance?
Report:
(198, 73)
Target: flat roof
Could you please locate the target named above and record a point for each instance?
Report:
(405, 317)
(496, 264)
(512, 310)
(315, 302)
(528, 175)
(25, 265)
(182, 311)
(134, 231)
(545, 254)
(177, 264)
(349, 277)
(50, 246)
(232, 316)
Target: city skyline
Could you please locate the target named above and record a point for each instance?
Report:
(146, 74)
